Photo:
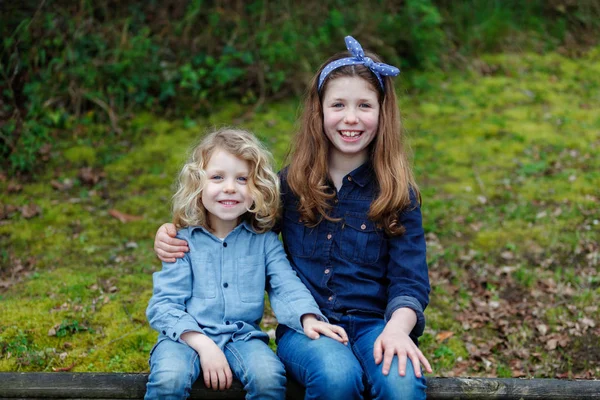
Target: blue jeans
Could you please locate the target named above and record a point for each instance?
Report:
(330, 370)
(175, 366)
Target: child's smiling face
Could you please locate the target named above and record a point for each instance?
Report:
(225, 194)
(350, 116)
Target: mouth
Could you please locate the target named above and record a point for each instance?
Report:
(350, 136)
(229, 203)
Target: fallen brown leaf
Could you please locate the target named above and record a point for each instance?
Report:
(64, 369)
(124, 218)
(30, 210)
(440, 337)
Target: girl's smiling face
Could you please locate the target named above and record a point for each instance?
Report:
(350, 116)
(225, 194)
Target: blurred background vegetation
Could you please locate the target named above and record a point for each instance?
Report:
(63, 59)
(101, 99)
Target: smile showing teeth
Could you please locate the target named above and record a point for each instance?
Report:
(228, 202)
(350, 133)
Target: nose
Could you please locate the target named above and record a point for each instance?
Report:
(229, 186)
(351, 117)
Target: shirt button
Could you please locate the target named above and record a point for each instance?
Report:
(227, 322)
(349, 179)
(330, 298)
(363, 227)
(336, 201)
(329, 236)
(327, 271)
(225, 285)
(164, 333)
(224, 244)
(174, 334)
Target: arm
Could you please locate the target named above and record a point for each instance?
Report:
(215, 368)
(292, 302)
(166, 310)
(166, 246)
(408, 295)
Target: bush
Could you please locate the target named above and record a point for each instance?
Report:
(61, 58)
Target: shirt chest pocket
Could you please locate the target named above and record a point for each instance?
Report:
(299, 239)
(361, 241)
(204, 284)
(251, 278)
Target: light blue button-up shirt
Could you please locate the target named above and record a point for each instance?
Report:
(218, 287)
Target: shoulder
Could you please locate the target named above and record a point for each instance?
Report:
(186, 233)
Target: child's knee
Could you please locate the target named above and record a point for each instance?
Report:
(167, 382)
(269, 379)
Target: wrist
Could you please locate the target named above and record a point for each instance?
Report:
(307, 318)
(403, 319)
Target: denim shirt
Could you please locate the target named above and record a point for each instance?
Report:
(218, 287)
(353, 266)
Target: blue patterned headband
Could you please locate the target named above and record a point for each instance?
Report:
(356, 50)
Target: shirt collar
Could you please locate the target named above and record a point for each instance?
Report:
(245, 225)
(363, 174)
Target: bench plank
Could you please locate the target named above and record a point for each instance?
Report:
(42, 385)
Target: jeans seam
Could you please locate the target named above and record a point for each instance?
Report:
(192, 368)
(235, 353)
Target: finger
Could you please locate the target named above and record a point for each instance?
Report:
(169, 247)
(206, 375)
(425, 362)
(341, 332)
(214, 380)
(171, 229)
(388, 357)
(377, 351)
(312, 333)
(222, 379)
(228, 376)
(166, 257)
(336, 333)
(414, 358)
(402, 364)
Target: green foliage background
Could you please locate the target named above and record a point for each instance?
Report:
(63, 60)
(101, 99)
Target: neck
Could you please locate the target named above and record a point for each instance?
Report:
(341, 164)
(221, 228)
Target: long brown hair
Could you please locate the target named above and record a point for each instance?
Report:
(308, 158)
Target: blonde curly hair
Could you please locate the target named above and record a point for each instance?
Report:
(263, 183)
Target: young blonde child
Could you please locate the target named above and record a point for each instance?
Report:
(207, 306)
(352, 229)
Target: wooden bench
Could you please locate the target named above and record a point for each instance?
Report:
(40, 385)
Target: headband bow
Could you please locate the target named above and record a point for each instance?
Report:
(379, 69)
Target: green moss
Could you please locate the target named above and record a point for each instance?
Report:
(81, 155)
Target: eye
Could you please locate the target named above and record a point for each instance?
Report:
(337, 105)
(243, 179)
(216, 177)
(365, 105)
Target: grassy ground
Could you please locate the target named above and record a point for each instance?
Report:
(507, 157)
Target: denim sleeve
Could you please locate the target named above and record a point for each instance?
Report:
(289, 298)
(166, 310)
(407, 269)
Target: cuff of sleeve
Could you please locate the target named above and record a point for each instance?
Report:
(184, 324)
(413, 304)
